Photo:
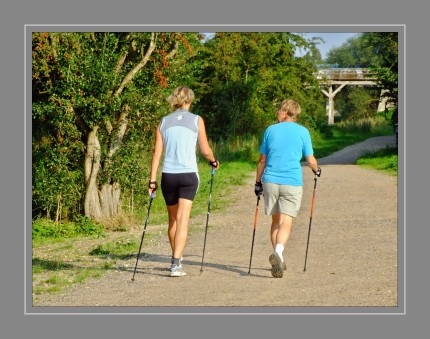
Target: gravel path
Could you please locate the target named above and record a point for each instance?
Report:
(350, 154)
(352, 258)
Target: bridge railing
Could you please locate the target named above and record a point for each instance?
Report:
(345, 74)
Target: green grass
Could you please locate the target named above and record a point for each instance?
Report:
(120, 249)
(88, 273)
(348, 133)
(69, 263)
(44, 228)
(385, 160)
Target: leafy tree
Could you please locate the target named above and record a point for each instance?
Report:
(384, 50)
(96, 100)
(357, 102)
(244, 76)
(378, 52)
(354, 53)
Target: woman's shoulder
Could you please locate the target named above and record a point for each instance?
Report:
(300, 127)
(192, 114)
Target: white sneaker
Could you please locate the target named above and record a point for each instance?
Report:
(176, 271)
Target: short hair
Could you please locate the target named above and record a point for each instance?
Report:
(180, 96)
(292, 108)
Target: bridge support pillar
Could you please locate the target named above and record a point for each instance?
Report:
(330, 98)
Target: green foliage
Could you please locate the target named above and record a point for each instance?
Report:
(240, 148)
(385, 160)
(348, 133)
(40, 265)
(78, 84)
(377, 51)
(122, 248)
(87, 81)
(354, 103)
(384, 47)
(244, 78)
(45, 228)
(368, 126)
(355, 52)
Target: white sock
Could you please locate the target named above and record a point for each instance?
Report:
(279, 248)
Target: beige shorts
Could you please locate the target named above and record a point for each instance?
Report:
(283, 199)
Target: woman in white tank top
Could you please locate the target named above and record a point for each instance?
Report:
(177, 135)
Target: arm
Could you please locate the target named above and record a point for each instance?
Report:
(312, 163)
(260, 170)
(205, 149)
(261, 167)
(158, 150)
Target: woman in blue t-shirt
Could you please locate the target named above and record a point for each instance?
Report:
(279, 174)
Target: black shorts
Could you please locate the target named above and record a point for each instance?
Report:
(179, 185)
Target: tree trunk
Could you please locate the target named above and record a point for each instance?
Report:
(92, 205)
(100, 202)
(106, 202)
(110, 200)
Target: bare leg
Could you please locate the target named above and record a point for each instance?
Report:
(279, 234)
(285, 224)
(280, 229)
(172, 211)
(180, 229)
(274, 229)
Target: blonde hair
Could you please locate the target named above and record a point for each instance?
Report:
(291, 107)
(180, 96)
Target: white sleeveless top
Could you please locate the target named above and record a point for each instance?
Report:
(179, 131)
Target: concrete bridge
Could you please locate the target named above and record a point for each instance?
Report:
(340, 77)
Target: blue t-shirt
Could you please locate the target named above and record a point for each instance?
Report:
(284, 144)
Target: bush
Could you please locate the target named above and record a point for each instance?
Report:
(372, 126)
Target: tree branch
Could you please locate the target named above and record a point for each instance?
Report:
(79, 121)
(116, 139)
(145, 57)
(122, 58)
(173, 51)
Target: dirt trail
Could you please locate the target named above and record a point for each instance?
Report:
(352, 258)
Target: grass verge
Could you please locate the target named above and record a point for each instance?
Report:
(384, 160)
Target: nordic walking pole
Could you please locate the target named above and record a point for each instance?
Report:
(317, 174)
(207, 217)
(144, 231)
(253, 233)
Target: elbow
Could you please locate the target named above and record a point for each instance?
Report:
(205, 154)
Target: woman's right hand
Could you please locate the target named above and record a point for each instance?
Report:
(152, 187)
(214, 164)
